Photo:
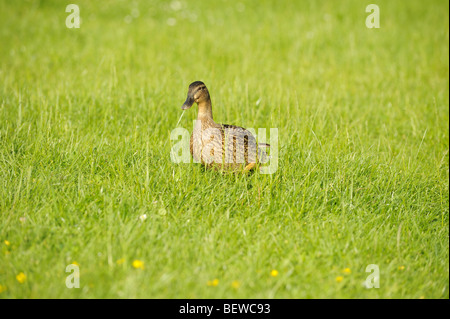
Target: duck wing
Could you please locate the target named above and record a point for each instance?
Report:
(243, 145)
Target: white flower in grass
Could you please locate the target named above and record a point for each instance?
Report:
(176, 5)
(128, 19)
(143, 217)
(135, 13)
(171, 21)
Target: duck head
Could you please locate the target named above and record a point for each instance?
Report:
(197, 93)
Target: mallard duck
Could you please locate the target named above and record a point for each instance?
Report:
(220, 146)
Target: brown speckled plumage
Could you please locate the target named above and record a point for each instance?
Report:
(220, 146)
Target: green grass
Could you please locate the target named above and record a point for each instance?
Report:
(362, 114)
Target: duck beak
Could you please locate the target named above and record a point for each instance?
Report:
(188, 103)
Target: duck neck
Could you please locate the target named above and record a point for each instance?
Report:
(205, 110)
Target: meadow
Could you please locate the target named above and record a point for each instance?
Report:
(363, 169)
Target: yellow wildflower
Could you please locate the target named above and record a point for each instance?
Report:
(274, 273)
(347, 271)
(339, 278)
(138, 264)
(401, 268)
(235, 284)
(7, 243)
(21, 277)
(213, 283)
